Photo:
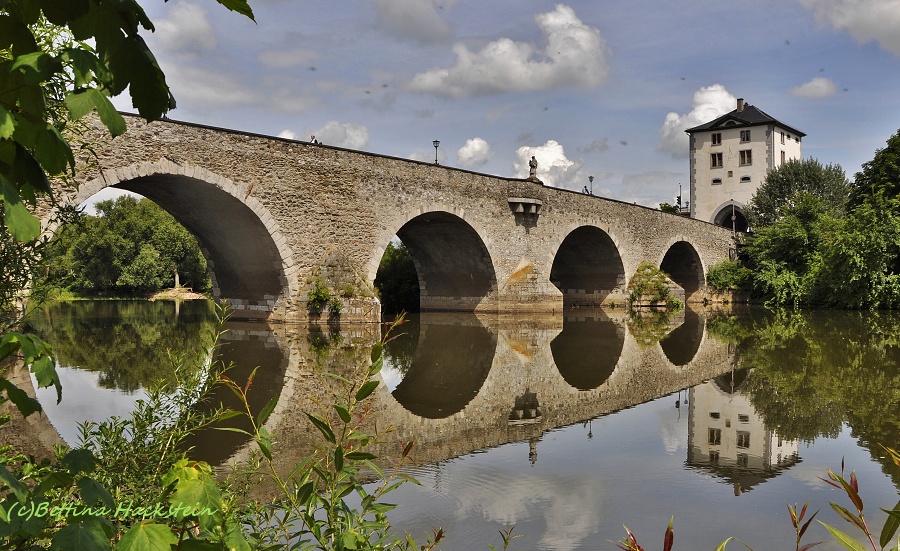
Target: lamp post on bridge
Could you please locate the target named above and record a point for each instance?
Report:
(591, 180)
(436, 143)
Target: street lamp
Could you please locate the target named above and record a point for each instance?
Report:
(591, 180)
(436, 143)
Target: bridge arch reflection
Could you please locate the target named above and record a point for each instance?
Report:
(681, 345)
(443, 365)
(587, 350)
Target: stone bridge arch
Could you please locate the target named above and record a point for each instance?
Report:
(587, 267)
(455, 268)
(250, 264)
(685, 267)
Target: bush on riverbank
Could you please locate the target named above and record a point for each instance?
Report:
(809, 250)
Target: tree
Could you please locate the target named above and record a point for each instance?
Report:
(880, 176)
(134, 247)
(666, 207)
(59, 61)
(783, 186)
(397, 281)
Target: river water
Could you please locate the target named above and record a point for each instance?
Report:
(566, 428)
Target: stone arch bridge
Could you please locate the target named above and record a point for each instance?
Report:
(277, 217)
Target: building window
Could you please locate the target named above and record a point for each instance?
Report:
(744, 418)
(715, 436)
(745, 135)
(715, 160)
(717, 181)
(745, 179)
(714, 457)
(743, 439)
(783, 157)
(714, 414)
(717, 138)
(743, 460)
(746, 157)
(782, 137)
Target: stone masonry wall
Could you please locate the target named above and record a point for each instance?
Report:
(270, 212)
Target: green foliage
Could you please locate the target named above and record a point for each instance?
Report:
(783, 186)
(879, 177)
(134, 248)
(649, 283)
(397, 281)
(808, 251)
(648, 328)
(318, 296)
(126, 343)
(335, 305)
(860, 263)
(729, 275)
(666, 207)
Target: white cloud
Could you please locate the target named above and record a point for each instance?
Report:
(574, 55)
(475, 153)
(280, 59)
(710, 103)
(570, 516)
(350, 135)
(865, 20)
(817, 88)
(416, 20)
(289, 134)
(185, 29)
(554, 168)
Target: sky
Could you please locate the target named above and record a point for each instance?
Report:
(590, 88)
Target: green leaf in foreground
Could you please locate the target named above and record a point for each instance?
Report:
(890, 525)
(147, 537)
(366, 390)
(85, 535)
(844, 539)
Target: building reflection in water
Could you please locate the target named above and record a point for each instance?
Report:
(727, 439)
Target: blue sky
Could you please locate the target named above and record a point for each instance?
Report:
(590, 88)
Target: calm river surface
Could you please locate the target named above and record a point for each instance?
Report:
(566, 428)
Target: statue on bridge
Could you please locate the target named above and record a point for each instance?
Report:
(532, 168)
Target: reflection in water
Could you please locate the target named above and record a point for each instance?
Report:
(566, 454)
(126, 343)
(587, 350)
(108, 352)
(243, 348)
(681, 345)
(729, 440)
(450, 363)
